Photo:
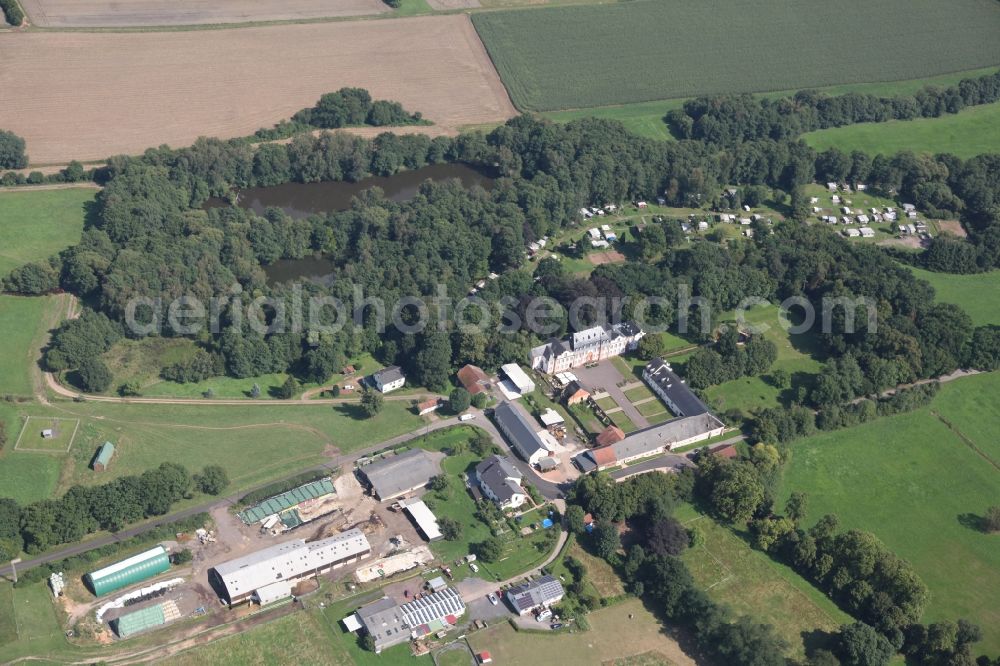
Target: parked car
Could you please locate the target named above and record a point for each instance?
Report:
(474, 567)
(493, 598)
(555, 625)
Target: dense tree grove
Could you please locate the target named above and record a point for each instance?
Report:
(110, 506)
(728, 119)
(348, 107)
(152, 238)
(12, 155)
(658, 575)
(13, 14)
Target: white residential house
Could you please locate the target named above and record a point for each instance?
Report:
(500, 481)
(389, 379)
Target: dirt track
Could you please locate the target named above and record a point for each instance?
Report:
(133, 13)
(86, 96)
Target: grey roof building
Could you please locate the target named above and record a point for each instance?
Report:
(384, 620)
(426, 614)
(501, 481)
(543, 591)
(401, 474)
(520, 432)
(665, 383)
(239, 579)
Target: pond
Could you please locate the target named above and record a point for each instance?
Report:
(301, 200)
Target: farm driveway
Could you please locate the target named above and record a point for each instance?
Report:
(151, 88)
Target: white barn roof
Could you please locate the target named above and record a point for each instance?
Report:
(287, 561)
(424, 518)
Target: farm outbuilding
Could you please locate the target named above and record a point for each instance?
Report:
(103, 457)
(129, 571)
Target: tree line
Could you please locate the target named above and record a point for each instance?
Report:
(111, 506)
(729, 119)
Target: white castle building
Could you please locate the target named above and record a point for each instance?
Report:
(587, 346)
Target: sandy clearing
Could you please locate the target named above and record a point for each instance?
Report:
(134, 13)
(75, 95)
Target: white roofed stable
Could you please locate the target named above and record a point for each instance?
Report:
(251, 575)
(518, 377)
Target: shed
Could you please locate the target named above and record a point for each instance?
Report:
(424, 518)
(276, 591)
(103, 457)
(129, 571)
(437, 584)
(400, 474)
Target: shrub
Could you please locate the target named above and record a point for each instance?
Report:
(95, 377)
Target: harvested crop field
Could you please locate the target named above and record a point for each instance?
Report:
(134, 13)
(582, 56)
(130, 91)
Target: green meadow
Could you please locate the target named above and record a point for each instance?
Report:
(970, 132)
(920, 482)
(35, 225)
(978, 294)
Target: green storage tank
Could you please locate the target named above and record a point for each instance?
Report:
(129, 571)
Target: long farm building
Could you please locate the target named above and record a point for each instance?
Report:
(129, 571)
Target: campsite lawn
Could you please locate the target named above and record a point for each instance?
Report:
(978, 294)
(20, 320)
(34, 225)
(753, 584)
(970, 132)
(598, 55)
(920, 488)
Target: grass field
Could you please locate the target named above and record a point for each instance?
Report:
(254, 443)
(616, 635)
(574, 57)
(972, 131)
(28, 477)
(299, 638)
(63, 434)
(20, 320)
(978, 294)
(28, 623)
(917, 485)
(36, 225)
(753, 584)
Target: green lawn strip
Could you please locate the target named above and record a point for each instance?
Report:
(607, 403)
(20, 320)
(624, 422)
(36, 628)
(918, 487)
(35, 225)
(978, 294)
(573, 57)
(639, 393)
(753, 584)
(652, 408)
(972, 131)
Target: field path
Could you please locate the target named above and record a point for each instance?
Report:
(89, 95)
